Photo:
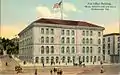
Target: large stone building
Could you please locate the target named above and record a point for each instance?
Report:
(61, 42)
(111, 48)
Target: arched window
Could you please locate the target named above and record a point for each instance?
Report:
(87, 49)
(83, 40)
(83, 58)
(83, 33)
(47, 31)
(47, 39)
(62, 32)
(47, 59)
(91, 40)
(99, 41)
(52, 59)
(99, 49)
(73, 40)
(91, 33)
(87, 59)
(63, 59)
(91, 49)
(73, 58)
(42, 49)
(47, 49)
(73, 33)
(73, 50)
(83, 50)
(42, 30)
(67, 32)
(52, 39)
(42, 59)
(63, 40)
(67, 50)
(52, 31)
(87, 40)
(99, 34)
(87, 33)
(68, 40)
(42, 39)
(91, 58)
(52, 49)
(36, 59)
(62, 50)
(69, 59)
(57, 59)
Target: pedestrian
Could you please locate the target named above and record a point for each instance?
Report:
(35, 71)
(51, 71)
(61, 72)
(6, 64)
(101, 69)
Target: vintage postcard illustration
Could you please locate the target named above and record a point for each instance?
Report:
(60, 37)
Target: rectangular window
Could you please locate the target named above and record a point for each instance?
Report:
(108, 39)
(42, 30)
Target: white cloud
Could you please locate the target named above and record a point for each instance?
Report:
(67, 6)
(45, 12)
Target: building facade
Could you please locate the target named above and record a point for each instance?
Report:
(111, 48)
(61, 42)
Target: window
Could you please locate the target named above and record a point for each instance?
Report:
(67, 50)
(108, 46)
(47, 59)
(57, 59)
(63, 59)
(83, 50)
(103, 40)
(103, 46)
(52, 31)
(68, 40)
(63, 40)
(73, 33)
(52, 39)
(68, 32)
(91, 33)
(83, 33)
(87, 33)
(73, 58)
(94, 58)
(62, 50)
(47, 31)
(118, 45)
(69, 59)
(108, 39)
(47, 50)
(118, 39)
(103, 51)
(73, 40)
(42, 30)
(87, 59)
(52, 49)
(98, 58)
(99, 34)
(47, 39)
(99, 41)
(99, 49)
(90, 58)
(87, 40)
(73, 50)
(42, 59)
(62, 32)
(108, 51)
(87, 49)
(52, 59)
(83, 40)
(42, 39)
(42, 49)
(91, 40)
(91, 49)
(83, 58)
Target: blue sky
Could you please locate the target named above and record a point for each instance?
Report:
(17, 14)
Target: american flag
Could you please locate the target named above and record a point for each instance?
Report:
(57, 5)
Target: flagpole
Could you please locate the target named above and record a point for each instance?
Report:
(61, 9)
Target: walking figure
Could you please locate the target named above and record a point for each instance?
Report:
(6, 64)
(101, 70)
(51, 72)
(35, 71)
